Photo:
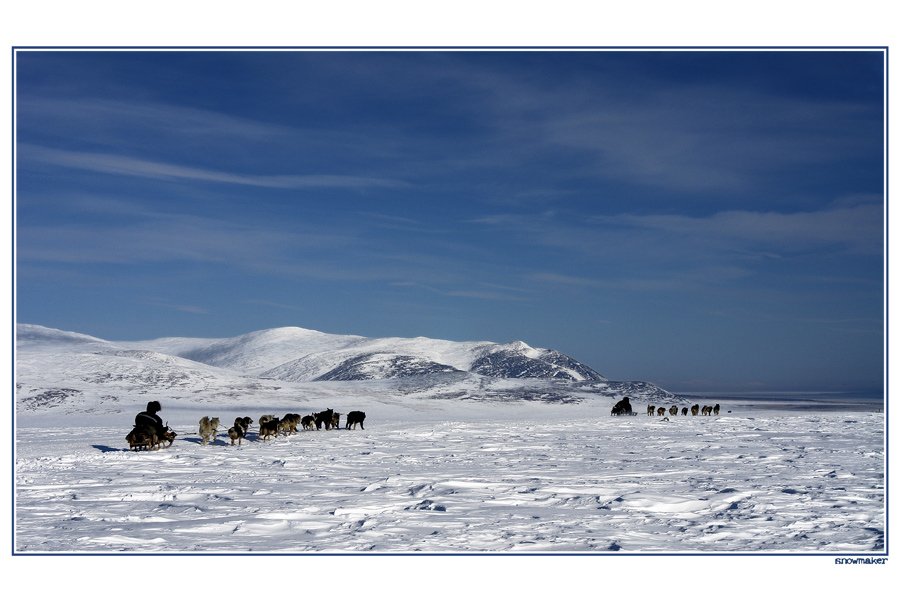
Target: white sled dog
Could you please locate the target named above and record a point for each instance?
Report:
(208, 428)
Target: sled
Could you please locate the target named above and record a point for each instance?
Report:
(143, 439)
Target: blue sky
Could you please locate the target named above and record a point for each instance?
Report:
(709, 221)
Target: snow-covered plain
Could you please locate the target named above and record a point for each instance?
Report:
(529, 481)
(443, 466)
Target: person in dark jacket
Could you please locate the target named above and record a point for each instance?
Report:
(149, 420)
(622, 408)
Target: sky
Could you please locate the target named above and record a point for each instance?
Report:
(707, 221)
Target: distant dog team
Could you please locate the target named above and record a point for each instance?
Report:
(673, 411)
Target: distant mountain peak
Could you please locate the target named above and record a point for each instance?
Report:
(373, 366)
(33, 333)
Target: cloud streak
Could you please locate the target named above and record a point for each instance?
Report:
(484, 293)
(852, 229)
(153, 237)
(707, 137)
(857, 229)
(672, 252)
(186, 309)
(131, 166)
(347, 249)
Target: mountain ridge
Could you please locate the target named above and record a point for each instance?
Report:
(59, 371)
(298, 354)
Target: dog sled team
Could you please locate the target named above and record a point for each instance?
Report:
(270, 425)
(623, 408)
(674, 410)
(149, 431)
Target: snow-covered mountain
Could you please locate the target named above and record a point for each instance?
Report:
(369, 366)
(299, 355)
(64, 369)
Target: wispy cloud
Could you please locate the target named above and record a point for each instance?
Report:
(752, 234)
(688, 137)
(672, 252)
(104, 117)
(484, 293)
(655, 135)
(857, 229)
(691, 278)
(567, 280)
(134, 126)
(276, 305)
(156, 237)
(187, 309)
(108, 231)
(670, 140)
(131, 166)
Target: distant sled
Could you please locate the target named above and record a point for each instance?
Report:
(623, 408)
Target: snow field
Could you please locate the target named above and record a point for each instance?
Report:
(527, 481)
